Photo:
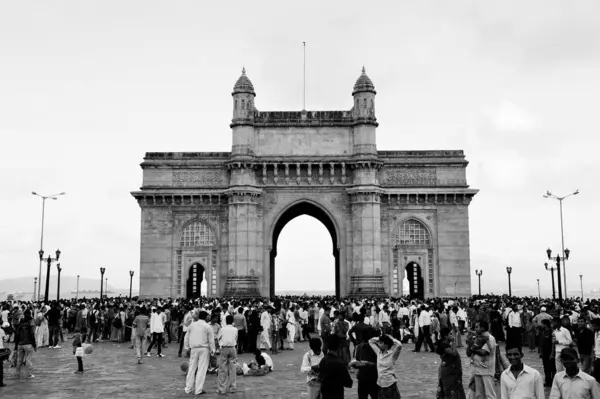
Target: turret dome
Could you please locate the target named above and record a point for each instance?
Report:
(243, 85)
(363, 84)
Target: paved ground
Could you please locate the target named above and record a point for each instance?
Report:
(111, 372)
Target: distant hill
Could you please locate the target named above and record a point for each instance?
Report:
(68, 287)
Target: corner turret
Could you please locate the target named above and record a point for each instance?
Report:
(364, 97)
(243, 97)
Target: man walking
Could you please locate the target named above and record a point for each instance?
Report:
(585, 345)
(157, 328)
(140, 323)
(25, 343)
(424, 331)
(53, 325)
(200, 341)
(227, 337)
(265, 324)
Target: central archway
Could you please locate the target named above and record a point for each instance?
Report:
(298, 209)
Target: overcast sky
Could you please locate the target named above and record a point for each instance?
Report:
(86, 88)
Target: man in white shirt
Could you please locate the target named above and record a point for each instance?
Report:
(573, 383)
(561, 337)
(520, 381)
(291, 327)
(424, 331)
(157, 328)
(514, 334)
(265, 323)
(200, 341)
(227, 337)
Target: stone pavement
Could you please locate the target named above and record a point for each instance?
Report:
(111, 371)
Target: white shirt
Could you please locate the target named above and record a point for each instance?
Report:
(580, 386)
(228, 336)
(514, 319)
(424, 319)
(265, 320)
(156, 323)
(563, 338)
(597, 344)
(527, 385)
(268, 360)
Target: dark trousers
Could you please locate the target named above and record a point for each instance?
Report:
(168, 330)
(514, 338)
(157, 338)
(597, 370)
(241, 343)
(390, 392)
(368, 388)
(181, 339)
(1, 372)
(306, 332)
(424, 335)
(325, 339)
(549, 370)
(79, 363)
(54, 332)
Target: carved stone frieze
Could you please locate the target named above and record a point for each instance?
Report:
(216, 177)
(410, 177)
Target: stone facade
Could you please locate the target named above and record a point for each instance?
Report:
(391, 214)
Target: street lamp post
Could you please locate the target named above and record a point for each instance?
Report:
(106, 283)
(539, 294)
(102, 270)
(455, 283)
(509, 271)
(58, 285)
(551, 269)
(130, 282)
(479, 273)
(77, 295)
(581, 282)
(49, 261)
(34, 288)
(44, 198)
(562, 236)
(557, 259)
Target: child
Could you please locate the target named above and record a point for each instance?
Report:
(78, 351)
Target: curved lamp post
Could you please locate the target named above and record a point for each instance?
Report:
(102, 270)
(49, 261)
(562, 238)
(58, 281)
(130, 282)
(551, 269)
(509, 271)
(479, 273)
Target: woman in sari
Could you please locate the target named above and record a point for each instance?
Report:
(450, 372)
(42, 334)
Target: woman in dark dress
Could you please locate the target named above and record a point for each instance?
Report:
(450, 372)
(497, 329)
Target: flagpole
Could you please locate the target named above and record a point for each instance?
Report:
(304, 81)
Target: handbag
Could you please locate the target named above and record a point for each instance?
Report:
(4, 354)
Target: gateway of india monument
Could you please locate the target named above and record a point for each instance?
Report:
(217, 216)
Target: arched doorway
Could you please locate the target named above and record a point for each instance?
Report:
(195, 278)
(310, 209)
(415, 280)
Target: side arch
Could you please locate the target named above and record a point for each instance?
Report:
(291, 211)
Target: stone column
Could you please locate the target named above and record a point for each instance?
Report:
(245, 255)
(366, 231)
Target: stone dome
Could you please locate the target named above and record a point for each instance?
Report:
(363, 84)
(243, 84)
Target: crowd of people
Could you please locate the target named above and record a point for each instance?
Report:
(364, 336)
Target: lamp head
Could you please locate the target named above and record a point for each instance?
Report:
(57, 254)
(546, 265)
(576, 192)
(41, 253)
(567, 252)
(549, 253)
(58, 267)
(509, 269)
(131, 273)
(102, 270)
(34, 193)
(548, 193)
